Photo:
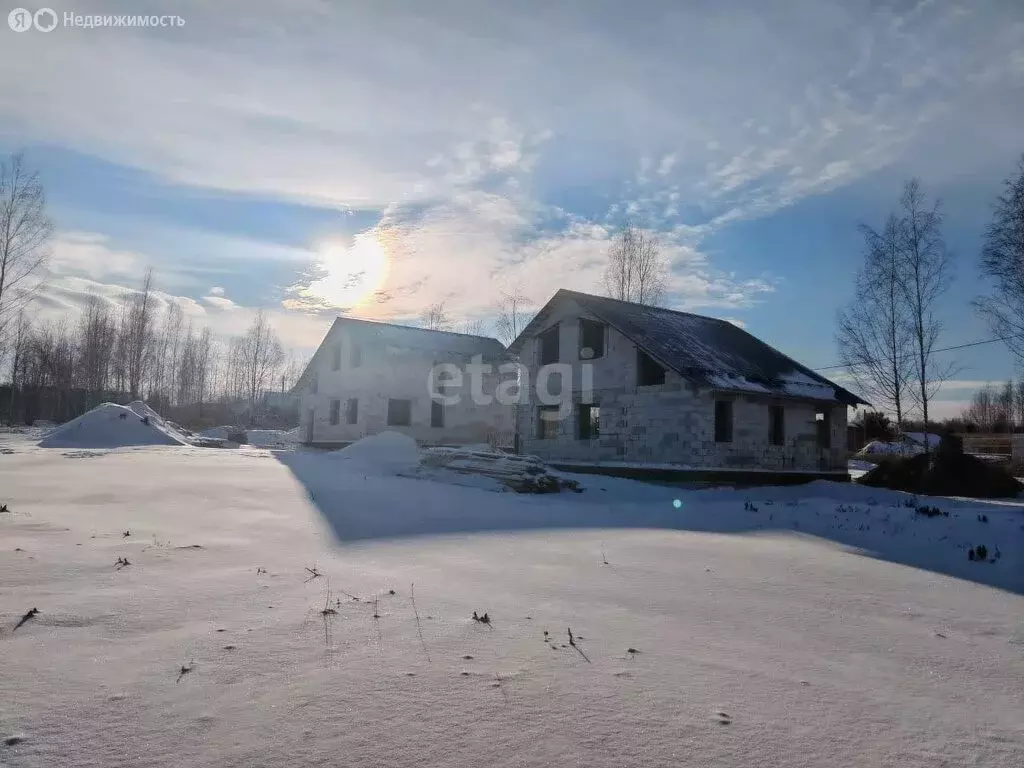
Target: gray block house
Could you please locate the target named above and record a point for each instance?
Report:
(614, 385)
(367, 377)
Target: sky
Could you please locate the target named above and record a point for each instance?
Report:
(313, 158)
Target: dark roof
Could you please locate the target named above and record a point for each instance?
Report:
(373, 334)
(705, 350)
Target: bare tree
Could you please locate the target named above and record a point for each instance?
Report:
(24, 232)
(925, 276)
(981, 411)
(96, 344)
(1002, 262)
(166, 355)
(875, 330)
(261, 355)
(292, 370)
(512, 315)
(435, 317)
(204, 359)
(1018, 403)
(21, 339)
(1005, 401)
(637, 270)
(475, 327)
(136, 334)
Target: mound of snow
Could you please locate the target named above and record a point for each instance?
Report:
(271, 438)
(112, 426)
(383, 453)
(523, 474)
(143, 411)
(880, 448)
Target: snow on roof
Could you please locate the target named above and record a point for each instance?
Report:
(392, 337)
(705, 350)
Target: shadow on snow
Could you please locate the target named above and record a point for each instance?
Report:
(364, 505)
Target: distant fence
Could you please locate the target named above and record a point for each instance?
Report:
(1001, 445)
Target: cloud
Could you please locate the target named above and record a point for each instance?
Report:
(465, 252)
(503, 145)
(220, 302)
(753, 92)
(88, 254)
(85, 266)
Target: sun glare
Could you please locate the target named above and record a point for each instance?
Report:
(350, 275)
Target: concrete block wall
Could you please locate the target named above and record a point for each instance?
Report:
(678, 427)
(672, 423)
(397, 373)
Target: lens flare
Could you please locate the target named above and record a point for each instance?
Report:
(350, 276)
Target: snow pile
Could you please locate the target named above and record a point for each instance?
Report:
(258, 438)
(881, 448)
(523, 474)
(113, 426)
(272, 438)
(910, 444)
(386, 453)
(921, 438)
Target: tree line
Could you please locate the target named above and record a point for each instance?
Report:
(889, 335)
(996, 408)
(140, 346)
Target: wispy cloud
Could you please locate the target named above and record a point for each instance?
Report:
(477, 131)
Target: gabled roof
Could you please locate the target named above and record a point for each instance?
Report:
(373, 334)
(707, 351)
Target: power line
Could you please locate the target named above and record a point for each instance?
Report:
(944, 349)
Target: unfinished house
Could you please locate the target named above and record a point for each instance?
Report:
(635, 390)
(367, 377)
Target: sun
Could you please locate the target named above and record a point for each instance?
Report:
(350, 276)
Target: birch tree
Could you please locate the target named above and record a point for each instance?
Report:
(136, 334)
(1002, 263)
(96, 344)
(874, 332)
(513, 316)
(261, 355)
(637, 270)
(925, 277)
(24, 232)
(435, 317)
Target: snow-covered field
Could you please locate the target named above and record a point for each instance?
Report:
(810, 626)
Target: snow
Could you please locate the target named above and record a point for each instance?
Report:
(258, 438)
(912, 443)
(920, 439)
(730, 381)
(800, 384)
(386, 453)
(272, 438)
(880, 448)
(832, 627)
(794, 383)
(113, 426)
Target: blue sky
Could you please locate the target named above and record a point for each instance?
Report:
(314, 157)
